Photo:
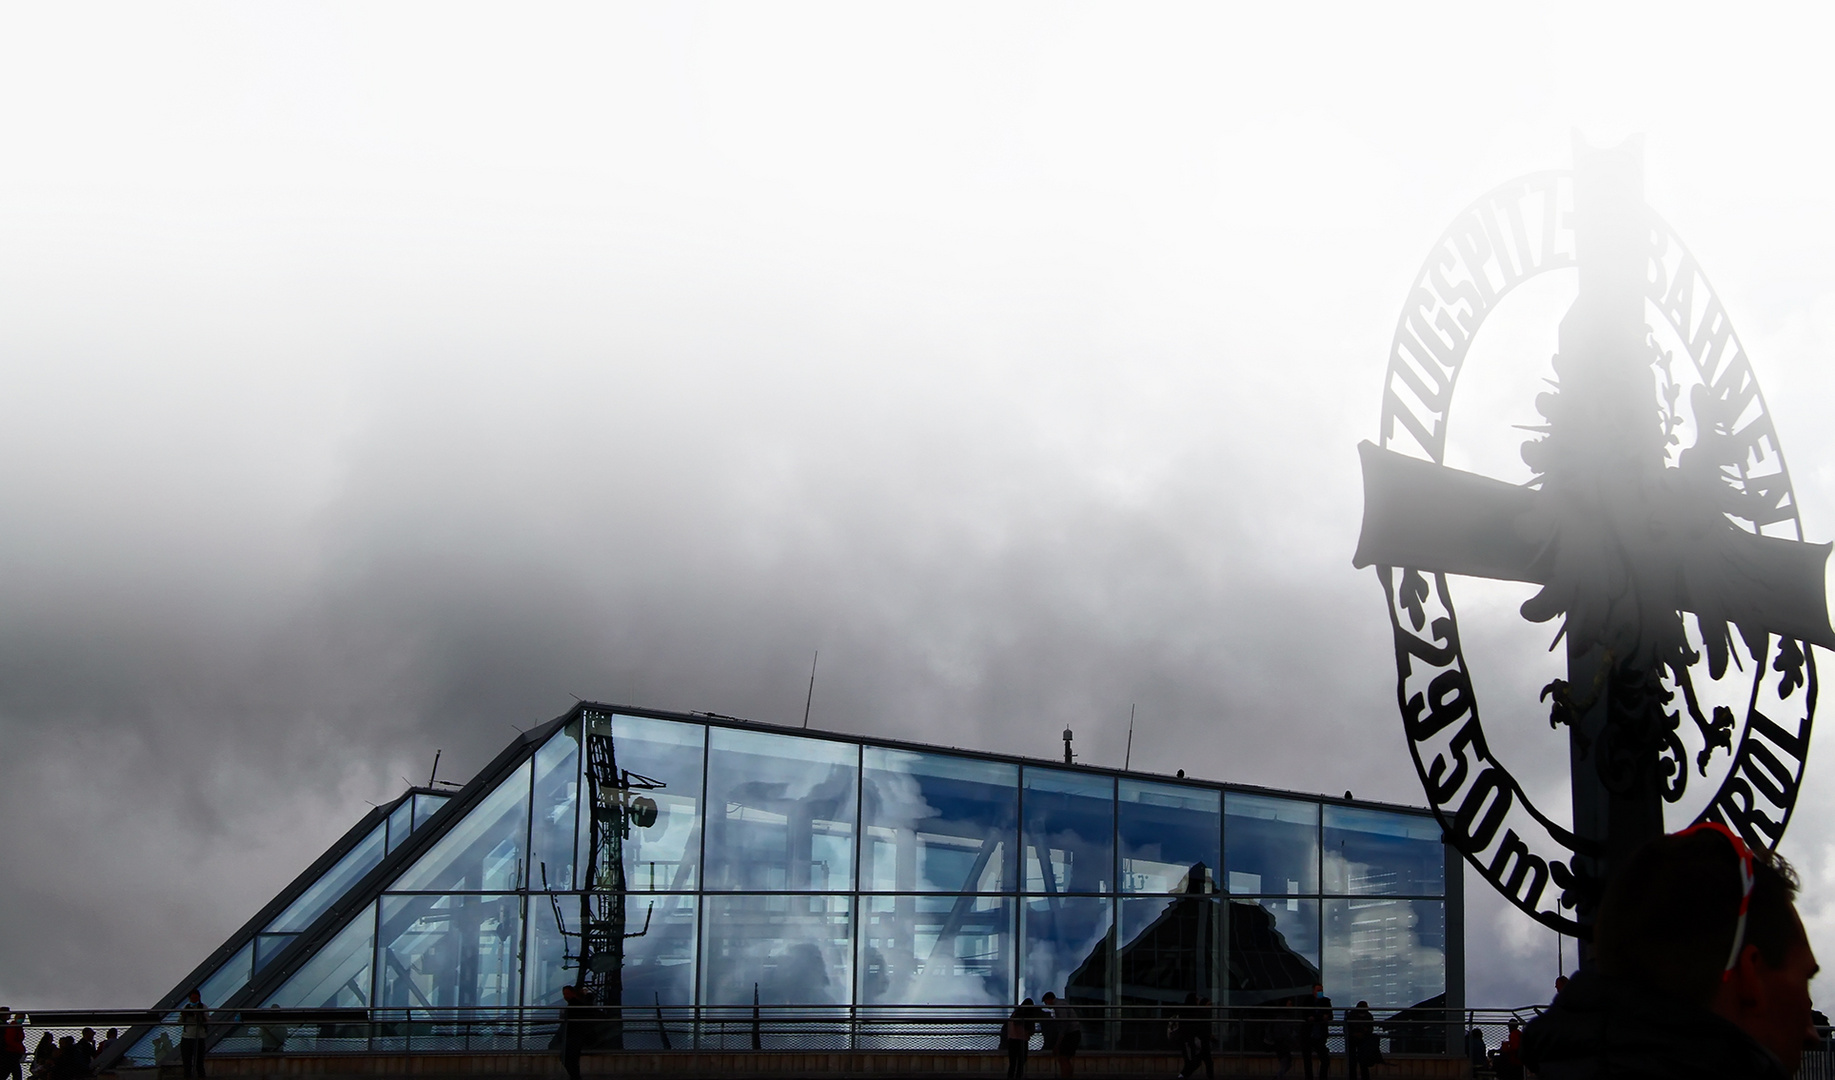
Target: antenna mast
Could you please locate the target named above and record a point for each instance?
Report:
(812, 686)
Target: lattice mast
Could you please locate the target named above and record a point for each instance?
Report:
(615, 808)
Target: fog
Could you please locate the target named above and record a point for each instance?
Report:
(378, 380)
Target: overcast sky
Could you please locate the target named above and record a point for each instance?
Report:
(376, 378)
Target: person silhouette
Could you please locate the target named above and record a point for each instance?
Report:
(194, 1028)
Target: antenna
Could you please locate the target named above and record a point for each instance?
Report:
(812, 686)
(1067, 753)
(1129, 756)
(436, 767)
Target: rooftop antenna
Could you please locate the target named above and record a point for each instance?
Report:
(436, 767)
(1067, 753)
(812, 686)
(1129, 755)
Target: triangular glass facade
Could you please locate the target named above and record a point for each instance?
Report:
(308, 897)
(844, 878)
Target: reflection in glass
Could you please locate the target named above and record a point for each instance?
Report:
(547, 965)
(1066, 949)
(228, 979)
(1270, 845)
(484, 850)
(551, 828)
(1169, 833)
(1371, 852)
(338, 976)
(1069, 830)
(401, 822)
(932, 949)
(797, 950)
(269, 946)
(1274, 949)
(781, 811)
(938, 823)
(445, 951)
(1117, 881)
(658, 969)
(331, 885)
(1167, 949)
(426, 805)
(666, 856)
(1391, 953)
(659, 962)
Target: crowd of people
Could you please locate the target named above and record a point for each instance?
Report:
(54, 1058)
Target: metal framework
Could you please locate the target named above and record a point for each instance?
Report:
(615, 804)
(1627, 531)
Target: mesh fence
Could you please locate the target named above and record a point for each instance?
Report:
(142, 1038)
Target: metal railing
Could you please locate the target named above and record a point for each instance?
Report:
(151, 1037)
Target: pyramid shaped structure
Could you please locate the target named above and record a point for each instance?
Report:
(830, 874)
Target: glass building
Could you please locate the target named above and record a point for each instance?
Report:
(849, 878)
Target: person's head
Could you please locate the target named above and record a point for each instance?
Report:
(1028, 1001)
(88, 1034)
(194, 996)
(1191, 998)
(68, 1040)
(1318, 990)
(1670, 919)
(115, 1033)
(1560, 983)
(1363, 1004)
(1514, 1024)
(1050, 998)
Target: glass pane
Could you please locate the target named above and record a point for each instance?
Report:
(401, 822)
(938, 823)
(557, 799)
(548, 964)
(1270, 846)
(936, 950)
(782, 811)
(481, 851)
(659, 965)
(797, 950)
(1391, 953)
(1169, 837)
(658, 969)
(1274, 949)
(1168, 948)
(268, 946)
(1066, 949)
(425, 806)
(666, 856)
(1372, 852)
(155, 1046)
(332, 885)
(1070, 831)
(338, 976)
(444, 951)
(228, 980)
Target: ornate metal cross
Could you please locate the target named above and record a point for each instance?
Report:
(1627, 532)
